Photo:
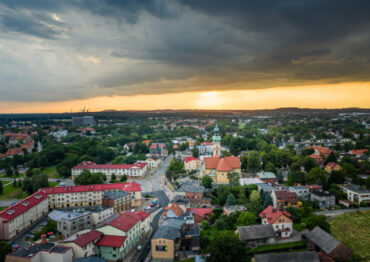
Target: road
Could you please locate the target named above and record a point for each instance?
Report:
(340, 211)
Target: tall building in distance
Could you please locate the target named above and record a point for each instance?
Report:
(83, 121)
(216, 139)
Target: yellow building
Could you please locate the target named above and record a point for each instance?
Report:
(218, 168)
(332, 167)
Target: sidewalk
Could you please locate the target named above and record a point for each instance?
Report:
(142, 242)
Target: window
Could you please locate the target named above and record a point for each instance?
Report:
(161, 248)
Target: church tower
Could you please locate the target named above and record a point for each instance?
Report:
(216, 139)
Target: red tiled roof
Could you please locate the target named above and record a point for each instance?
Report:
(22, 206)
(147, 142)
(127, 220)
(272, 214)
(332, 165)
(129, 187)
(315, 156)
(357, 151)
(191, 158)
(202, 212)
(143, 215)
(84, 239)
(93, 165)
(286, 196)
(14, 151)
(160, 145)
(313, 186)
(322, 150)
(175, 208)
(206, 143)
(222, 163)
(111, 241)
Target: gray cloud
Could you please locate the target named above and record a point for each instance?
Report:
(60, 50)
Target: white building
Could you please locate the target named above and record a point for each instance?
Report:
(138, 169)
(82, 242)
(301, 191)
(356, 193)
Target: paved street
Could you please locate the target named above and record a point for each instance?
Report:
(340, 211)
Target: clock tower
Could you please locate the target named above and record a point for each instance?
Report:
(216, 139)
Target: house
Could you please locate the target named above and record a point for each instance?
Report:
(70, 222)
(129, 146)
(257, 235)
(218, 167)
(232, 209)
(44, 252)
(193, 192)
(332, 167)
(313, 187)
(356, 193)
(320, 240)
(323, 199)
(301, 191)
(205, 148)
(303, 256)
(153, 162)
(200, 214)
(100, 213)
(182, 202)
(120, 201)
(319, 160)
(172, 210)
(267, 177)
(250, 181)
(282, 199)
(122, 234)
(319, 150)
(82, 242)
(265, 188)
(280, 220)
(192, 163)
(357, 152)
(159, 149)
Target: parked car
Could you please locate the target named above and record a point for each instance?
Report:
(152, 205)
(159, 205)
(147, 208)
(139, 248)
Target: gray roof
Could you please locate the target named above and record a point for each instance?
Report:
(321, 193)
(115, 195)
(167, 232)
(298, 188)
(265, 187)
(322, 239)
(235, 208)
(256, 232)
(357, 189)
(32, 250)
(306, 256)
(58, 215)
(179, 199)
(173, 222)
(90, 259)
(186, 187)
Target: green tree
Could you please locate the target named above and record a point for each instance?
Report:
(9, 171)
(253, 163)
(231, 200)
(267, 201)
(233, 179)
(309, 163)
(255, 197)
(246, 219)
(1, 187)
(222, 192)
(331, 158)
(207, 181)
(113, 178)
(295, 214)
(316, 176)
(317, 220)
(87, 178)
(5, 249)
(27, 185)
(227, 247)
(195, 152)
(123, 178)
(14, 183)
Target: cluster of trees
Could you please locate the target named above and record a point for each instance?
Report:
(5, 248)
(175, 168)
(34, 183)
(306, 219)
(88, 178)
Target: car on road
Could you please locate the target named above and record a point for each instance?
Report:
(15, 247)
(147, 208)
(158, 205)
(152, 205)
(139, 248)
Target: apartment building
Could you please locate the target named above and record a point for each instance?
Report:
(82, 243)
(119, 201)
(138, 169)
(70, 222)
(356, 193)
(18, 217)
(89, 195)
(301, 191)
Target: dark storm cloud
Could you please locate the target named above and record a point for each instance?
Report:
(121, 47)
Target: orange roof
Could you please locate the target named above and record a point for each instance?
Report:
(315, 156)
(357, 151)
(222, 163)
(272, 214)
(147, 142)
(175, 208)
(322, 150)
(191, 158)
(332, 165)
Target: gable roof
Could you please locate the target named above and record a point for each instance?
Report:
(127, 220)
(202, 212)
(83, 238)
(266, 175)
(332, 165)
(175, 208)
(272, 214)
(111, 241)
(191, 188)
(357, 151)
(191, 158)
(286, 196)
(256, 232)
(93, 165)
(322, 239)
(222, 163)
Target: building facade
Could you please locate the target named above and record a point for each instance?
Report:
(356, 193)
(218, 168)
(70, 222)
(120, 201)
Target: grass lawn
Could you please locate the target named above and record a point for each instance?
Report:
(9, 191)
(277, 246)
(53, 184)
(353, 229)
(51, 172)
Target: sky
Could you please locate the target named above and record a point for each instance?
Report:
(62, 56)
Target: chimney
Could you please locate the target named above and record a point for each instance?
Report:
(43, 239)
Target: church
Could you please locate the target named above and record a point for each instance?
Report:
(217, 167)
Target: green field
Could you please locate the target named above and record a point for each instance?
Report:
(51, 172)
(9, 191)
(53, 184)
(353, 229)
